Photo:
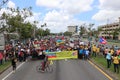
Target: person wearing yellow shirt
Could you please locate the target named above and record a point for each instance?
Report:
(98, 51)
(111, 51)
(116, 63)
(94, 50)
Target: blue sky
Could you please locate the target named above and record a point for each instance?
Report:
(58, 14)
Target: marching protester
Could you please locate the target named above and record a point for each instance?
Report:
(13, 62)
(94, 49)
(116, 63)
(87, 54)
(108, 57)
(21, 55)
(98, 50)
(106, 51)
(1, 58)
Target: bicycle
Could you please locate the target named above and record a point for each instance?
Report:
(48, 67)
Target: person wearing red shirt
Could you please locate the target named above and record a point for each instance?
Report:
(1, 58)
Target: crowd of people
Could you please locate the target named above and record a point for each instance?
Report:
(36, 48)
(111, 54)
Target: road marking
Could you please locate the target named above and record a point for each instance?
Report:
(101, 70)
(12, 71)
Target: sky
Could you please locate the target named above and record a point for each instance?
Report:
(58, 14)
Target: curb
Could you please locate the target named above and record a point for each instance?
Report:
(111, 74)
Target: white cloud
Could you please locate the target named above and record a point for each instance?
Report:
(70, 6)
(110, 4)
(61, 13)
(104, 15)
(58, 21)
(33, 18)
(48, 3)
(57, 16)
(108, 10)
(11, 4)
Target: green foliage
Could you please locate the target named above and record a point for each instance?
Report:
(41, 32)
(17, 23)
(101, 61)
(82, 30)
(5, 66)
(67, 33)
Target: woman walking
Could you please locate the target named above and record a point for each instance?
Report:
(116, 63)
(108, 57)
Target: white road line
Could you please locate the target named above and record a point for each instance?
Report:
(12, 71)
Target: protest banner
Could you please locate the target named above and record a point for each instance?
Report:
(62, 55)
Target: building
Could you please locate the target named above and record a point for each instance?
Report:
(108, 30)
(73, 29)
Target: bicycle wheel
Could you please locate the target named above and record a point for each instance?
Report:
(39, 68)
(49, 69)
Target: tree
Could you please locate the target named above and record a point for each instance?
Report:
(82, 29)
(46, 32)
(90, 30)
(68, 33)
(17, 22)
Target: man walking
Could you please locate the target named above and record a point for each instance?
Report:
(13, 62)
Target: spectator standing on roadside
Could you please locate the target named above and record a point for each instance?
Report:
(108, 57)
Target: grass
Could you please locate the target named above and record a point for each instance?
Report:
(4, 66)
(100, 60)
(113, 43)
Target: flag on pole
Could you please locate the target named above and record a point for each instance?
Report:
(102, 40)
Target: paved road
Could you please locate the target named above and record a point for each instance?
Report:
(63, 70)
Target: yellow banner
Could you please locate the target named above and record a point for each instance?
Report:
(63, 55)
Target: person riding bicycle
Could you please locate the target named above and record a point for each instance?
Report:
(45, 61)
